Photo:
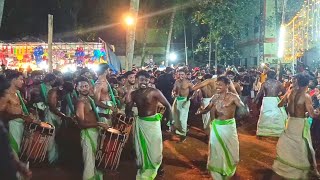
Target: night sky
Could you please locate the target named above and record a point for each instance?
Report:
(23, 18)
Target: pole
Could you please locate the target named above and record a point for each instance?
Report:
(50, 35)
(131, 34)
(293, 50)
(210, 49)
(1, 10)
(185, 44)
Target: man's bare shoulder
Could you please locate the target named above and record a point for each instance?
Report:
(6, 97)
(232, 95)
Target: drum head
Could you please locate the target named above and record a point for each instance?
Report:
(45, 125)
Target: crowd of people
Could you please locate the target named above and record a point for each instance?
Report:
(90, 100)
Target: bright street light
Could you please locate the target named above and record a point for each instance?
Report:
(129, 20)
(173, 56)
(281, 41)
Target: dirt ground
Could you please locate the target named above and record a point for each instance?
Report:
(183, 161)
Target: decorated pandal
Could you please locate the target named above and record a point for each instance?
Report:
(34, 56)
(303, 31)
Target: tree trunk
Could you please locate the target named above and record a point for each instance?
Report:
(131, 34)
(170, 36)
(1, 10)
(210, 51)
(216, 55)
(143, 55)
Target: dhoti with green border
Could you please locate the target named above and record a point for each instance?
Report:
(223, 149)
(180, 115)
(295, 151)
(106, 111)
(54, 120)
(16, 128)
(272, 120)
(206, 117)
(148, 146)
(89, 139)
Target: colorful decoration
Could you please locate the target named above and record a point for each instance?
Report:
(303, 31)
(80, 55)
(100, 55)
(38, 52)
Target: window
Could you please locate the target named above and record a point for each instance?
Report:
(247, 30)
(256, 24)
(255, 61)
(246, 62)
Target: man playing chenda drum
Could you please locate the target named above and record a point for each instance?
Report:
(147, 128)
(102, 94)
(88, 121)
(224, 145)
(13, 108)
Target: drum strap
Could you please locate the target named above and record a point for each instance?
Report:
(70, 104)
(92, 82)
(44, 92)
(23, 105)
(94, 108)
(111, 94)
(74, 94)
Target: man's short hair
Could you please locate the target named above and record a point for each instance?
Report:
(49, 77)
(224, 79)
(113, 80)
(168, 69)
(303, 79)
(143, 73)
(128, 73)
(36, 73)
(181, 70)
(82, 79)
(207, 76)
(230, 73)
(102, 68)
(271, 74)
(84, 70)
(4, 85)
(12, 74)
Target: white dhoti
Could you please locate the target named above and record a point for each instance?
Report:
(54, 120)
(295, 150)
(148, 146)
(272, 120)
(89, 139)
(180, 115)
(16, 128)
(223, 149)
(206, 117)
(106, 111)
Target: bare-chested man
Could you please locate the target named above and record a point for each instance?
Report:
(9, 164)
(147, 131)
(182, 91)
(208, 89)
(13, 108)
(295, 154)
(272, 119)
(85, 72)
(223, 144)
(102, 94)
(41, 93)
(129, 87)
(86, 114)
(54, 116)
(34, 98)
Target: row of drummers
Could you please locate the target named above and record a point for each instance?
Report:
(38, 144)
